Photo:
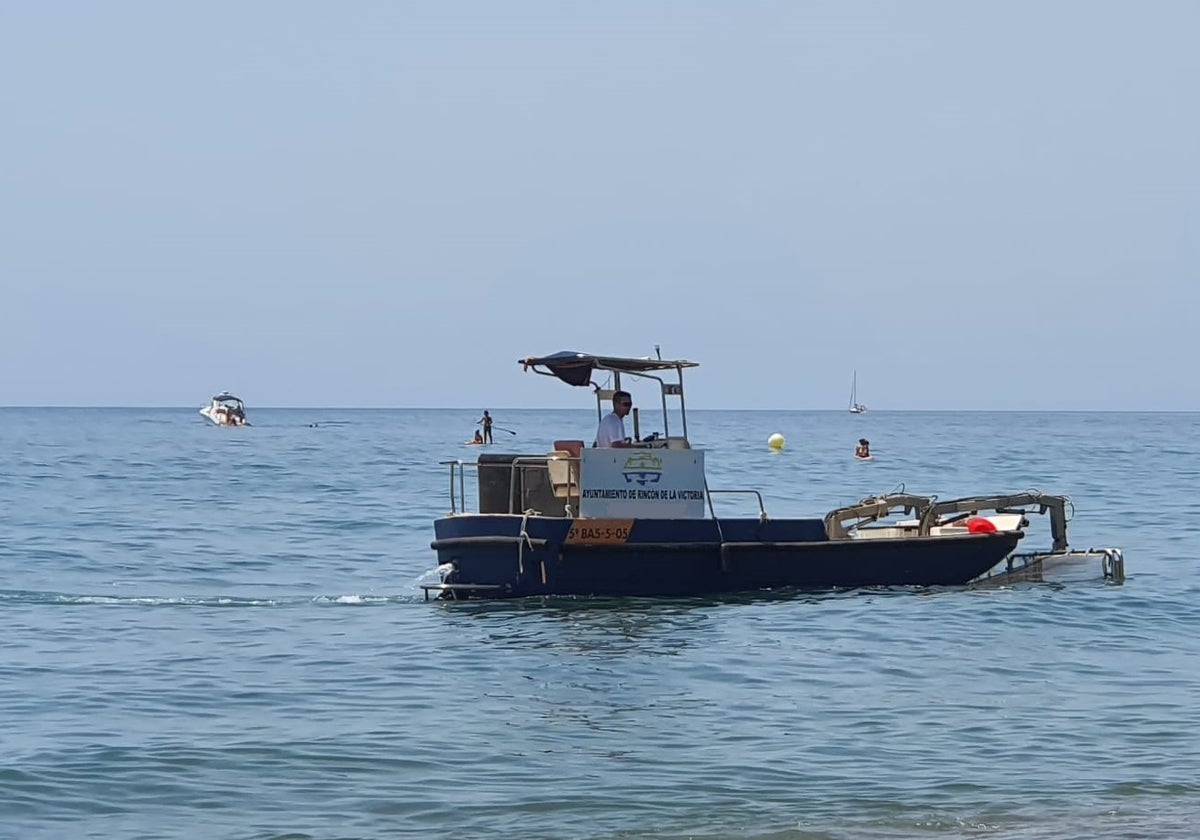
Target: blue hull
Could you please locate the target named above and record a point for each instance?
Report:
(505, 556)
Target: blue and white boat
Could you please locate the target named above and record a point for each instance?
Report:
(643, 520)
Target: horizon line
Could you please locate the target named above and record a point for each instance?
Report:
(127, 407)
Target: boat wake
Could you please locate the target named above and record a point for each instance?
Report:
(20, 597)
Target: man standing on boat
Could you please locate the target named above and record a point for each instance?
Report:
(486, 420)
(611, 432)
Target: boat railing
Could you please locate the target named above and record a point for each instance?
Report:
(456, 469)
(942, 513)
(565, 491)
(562, 485)
(515, 474)
(762, 510)
(1112, 563)
(929, 513)
(875, 508)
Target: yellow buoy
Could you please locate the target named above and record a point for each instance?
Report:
(775, 441)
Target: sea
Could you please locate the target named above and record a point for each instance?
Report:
(220, 633)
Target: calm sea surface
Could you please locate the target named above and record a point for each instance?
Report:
(218, 633)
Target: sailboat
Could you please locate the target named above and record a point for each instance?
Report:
(855, 406)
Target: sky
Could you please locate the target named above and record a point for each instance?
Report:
(976, 206)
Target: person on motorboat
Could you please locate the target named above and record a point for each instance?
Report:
(611, 432)
(863, 450)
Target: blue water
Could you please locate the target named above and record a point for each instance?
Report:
(218, 633)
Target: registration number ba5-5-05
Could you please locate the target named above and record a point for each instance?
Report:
(600, 531)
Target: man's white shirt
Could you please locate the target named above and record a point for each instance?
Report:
(612, 430)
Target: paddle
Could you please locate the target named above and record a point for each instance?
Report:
(500, 428)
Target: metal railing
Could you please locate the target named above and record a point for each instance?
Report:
(517, 488)
(762, 510)
(461, 484)
(1112, 563)
(516, 477)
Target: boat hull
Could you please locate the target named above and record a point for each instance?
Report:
(501, 555)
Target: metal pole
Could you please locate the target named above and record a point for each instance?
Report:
(682, 408)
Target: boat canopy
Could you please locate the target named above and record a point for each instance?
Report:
(225, 396)
(576, 368)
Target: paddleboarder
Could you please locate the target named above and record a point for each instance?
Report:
(486, 420)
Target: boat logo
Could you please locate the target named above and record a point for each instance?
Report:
(643, 469)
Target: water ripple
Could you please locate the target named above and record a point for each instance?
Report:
(246, 649)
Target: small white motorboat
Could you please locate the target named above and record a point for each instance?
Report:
(226, 410)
